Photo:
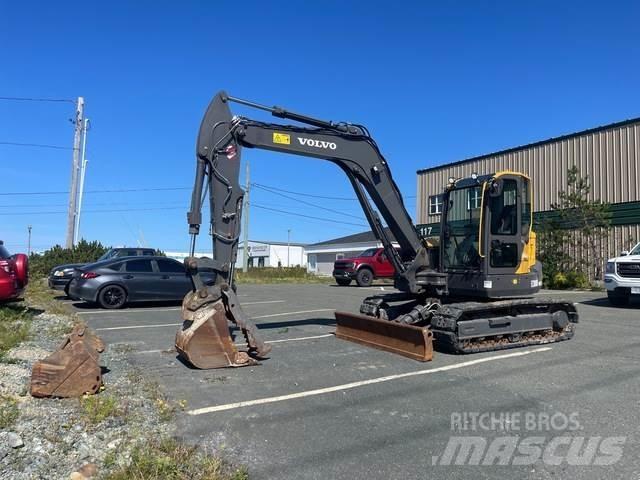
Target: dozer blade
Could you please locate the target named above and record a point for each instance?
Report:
(407, 340)
(204, 340)
(72, 370)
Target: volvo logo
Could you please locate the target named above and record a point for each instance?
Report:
(310, 142)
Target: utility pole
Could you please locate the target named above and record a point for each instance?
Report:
(29, 241)
(83, 171)
(245, 228)
(75, 167)
(288, 246)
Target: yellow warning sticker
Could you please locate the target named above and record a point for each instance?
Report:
(282, 138)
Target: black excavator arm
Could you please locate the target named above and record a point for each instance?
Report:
(350, 147)
(219, 147)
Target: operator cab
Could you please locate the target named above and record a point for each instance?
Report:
(488, 246)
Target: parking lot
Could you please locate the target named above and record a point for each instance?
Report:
(325, 408)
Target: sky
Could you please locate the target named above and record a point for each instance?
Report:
(434, 82)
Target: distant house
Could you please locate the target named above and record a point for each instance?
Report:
(320, 256)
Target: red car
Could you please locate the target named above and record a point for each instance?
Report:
(14, 273)
(370, 264)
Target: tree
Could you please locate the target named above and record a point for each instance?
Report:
(82, 252)
(579, 224)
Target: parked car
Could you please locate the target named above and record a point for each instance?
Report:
(14, 273)
(622, 277)
(60, 275)
(364, 268)
(115, 282)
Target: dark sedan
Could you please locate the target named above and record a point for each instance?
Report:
(114, 283)
(60, 275)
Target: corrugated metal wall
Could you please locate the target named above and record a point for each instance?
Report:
(611, 158)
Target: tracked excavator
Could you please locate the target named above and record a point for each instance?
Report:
(470, 289)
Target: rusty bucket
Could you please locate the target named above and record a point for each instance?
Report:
(73, 369)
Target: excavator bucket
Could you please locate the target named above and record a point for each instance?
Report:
(407, 340)
(73, 369)
(204, 340)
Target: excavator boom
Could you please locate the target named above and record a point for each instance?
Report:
(221, 140)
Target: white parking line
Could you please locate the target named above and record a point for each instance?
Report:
(166, 309)
(133, 310)
(131, 327)
(372, 381)
(295, 313)
(283, 340)
(157, 325)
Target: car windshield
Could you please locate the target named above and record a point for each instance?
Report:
(370, 252)
(107, 255)
(4, 253)
(635, 251)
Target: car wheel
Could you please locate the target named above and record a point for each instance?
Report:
(618, 300)
(364, 278)
(343, 282)
(112, 296)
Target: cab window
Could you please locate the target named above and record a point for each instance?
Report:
(504, 212)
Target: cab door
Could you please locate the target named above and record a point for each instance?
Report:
(507, 227)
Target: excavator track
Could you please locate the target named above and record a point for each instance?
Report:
(473, 327)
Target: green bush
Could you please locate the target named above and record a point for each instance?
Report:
(571, 279)
(82, 252)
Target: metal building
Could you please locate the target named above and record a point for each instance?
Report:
(609, 155)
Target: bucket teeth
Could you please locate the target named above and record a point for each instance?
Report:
(72, 370)
(204, 340)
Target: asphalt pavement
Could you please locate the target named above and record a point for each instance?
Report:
(324, 408)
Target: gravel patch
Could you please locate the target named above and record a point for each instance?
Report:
(68, 438)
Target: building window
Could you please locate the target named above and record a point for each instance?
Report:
(435, 204)
(260, 262)
(312, 262)
(474, 200)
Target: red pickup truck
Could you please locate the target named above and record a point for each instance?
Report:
(14, 273)
(370, 264)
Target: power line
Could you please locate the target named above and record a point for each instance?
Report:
(37, 145)
(121, 190)
(98, 211)
(27, 99)
(308, 216)
(312, 195)
(307, 203)
(303, 194)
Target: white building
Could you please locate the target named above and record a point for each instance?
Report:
(261, 254)
(322, 255)
(273, 254)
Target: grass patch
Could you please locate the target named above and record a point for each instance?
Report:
(96, 408)
(8, 412)
(279, 275)
(38, 294)
(15, 322)
(170, 460)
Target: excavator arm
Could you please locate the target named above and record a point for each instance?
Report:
(219, 147)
